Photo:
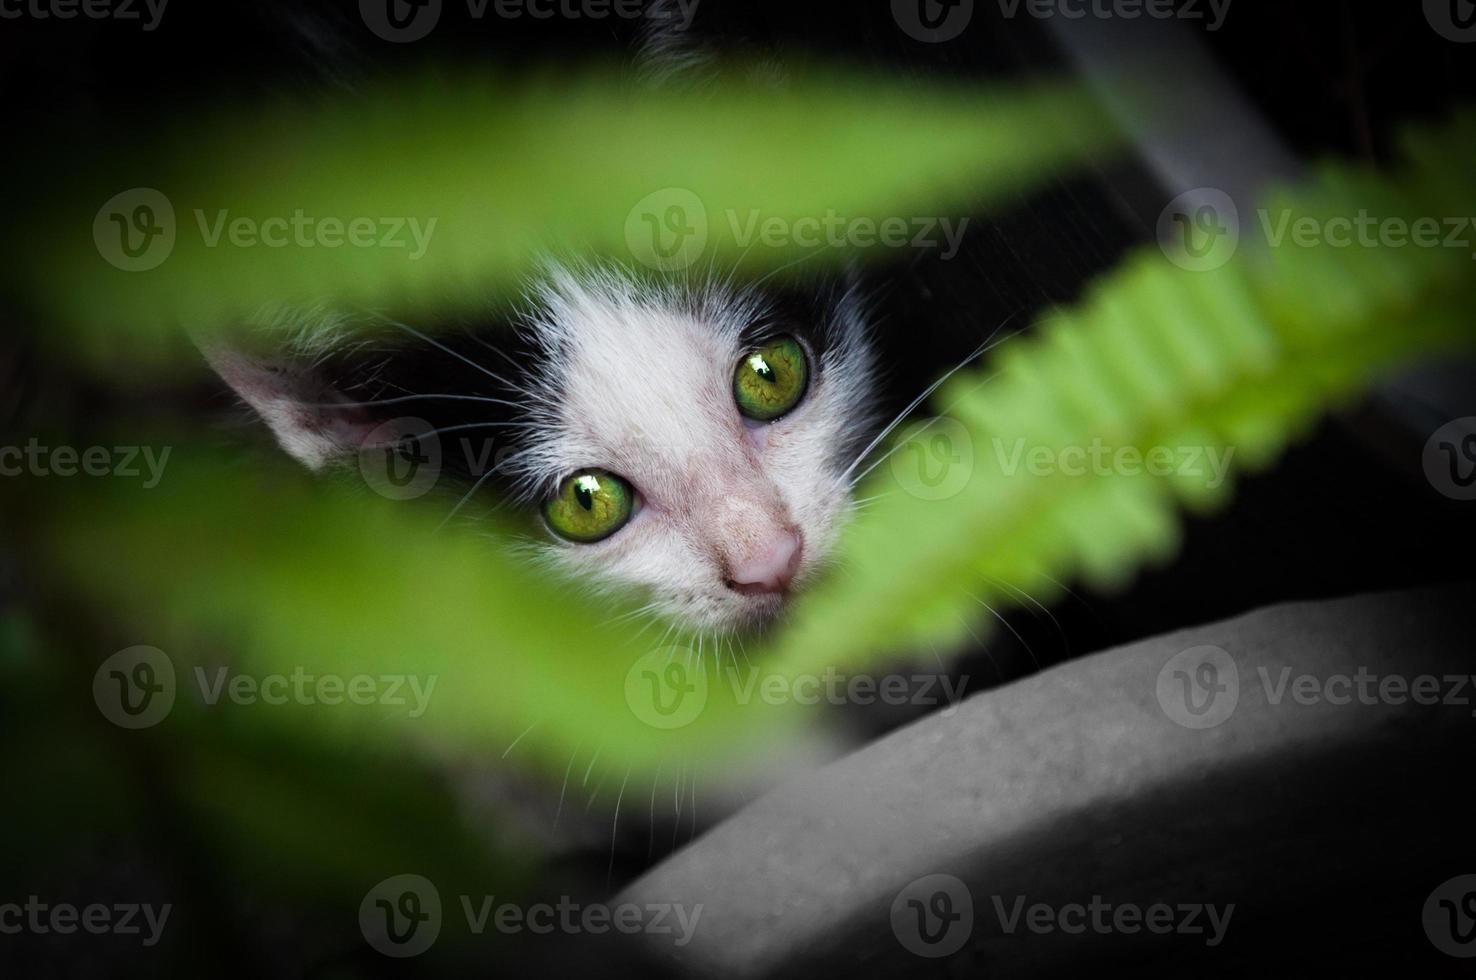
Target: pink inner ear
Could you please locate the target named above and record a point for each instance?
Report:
(312, 421)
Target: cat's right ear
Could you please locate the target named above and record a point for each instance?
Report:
(311, 420)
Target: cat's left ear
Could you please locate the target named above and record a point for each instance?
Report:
(311, 420)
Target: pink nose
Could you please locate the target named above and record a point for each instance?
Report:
(770, 568)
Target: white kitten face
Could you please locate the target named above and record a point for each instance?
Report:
(731, 515)
(728, 516)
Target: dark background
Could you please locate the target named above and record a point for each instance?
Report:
(1347, 511)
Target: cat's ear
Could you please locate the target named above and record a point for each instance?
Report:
(312, 421)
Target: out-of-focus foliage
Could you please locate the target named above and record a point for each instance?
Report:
(1238, 361)
(268, 571)
(508, 168)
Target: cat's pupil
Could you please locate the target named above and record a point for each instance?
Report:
(584, 494)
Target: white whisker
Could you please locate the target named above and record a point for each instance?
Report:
(518, 739)
(988, 345)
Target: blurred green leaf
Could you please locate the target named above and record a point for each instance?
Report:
(510, 169)
(269, 572)
(1238, 361)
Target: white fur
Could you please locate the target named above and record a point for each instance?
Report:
(640, 383)
(635, 379)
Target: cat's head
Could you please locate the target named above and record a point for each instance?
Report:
(691, 442)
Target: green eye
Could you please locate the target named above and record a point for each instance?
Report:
(590, 506)
(770, 381)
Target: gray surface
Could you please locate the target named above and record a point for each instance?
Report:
(1076, 782)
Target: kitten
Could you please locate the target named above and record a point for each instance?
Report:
(689, 441)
